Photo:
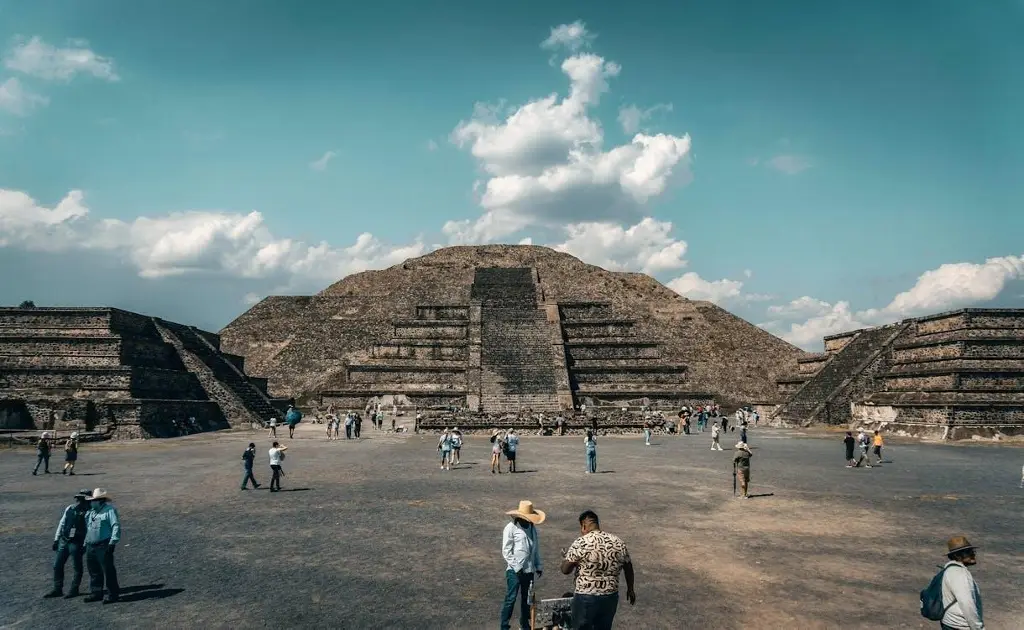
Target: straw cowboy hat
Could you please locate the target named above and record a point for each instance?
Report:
(959, 543)
(743, 446)
(74, 436)
(527, 512)
(100, 493)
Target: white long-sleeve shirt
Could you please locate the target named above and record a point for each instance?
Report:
(521, 548)
(960, 593)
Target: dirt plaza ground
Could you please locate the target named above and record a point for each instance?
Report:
(371, 534)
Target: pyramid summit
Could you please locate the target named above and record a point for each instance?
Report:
(504, 328)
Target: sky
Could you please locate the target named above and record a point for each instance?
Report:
(812, 167)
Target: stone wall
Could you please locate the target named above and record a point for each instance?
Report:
(928, 352)
(835, 343)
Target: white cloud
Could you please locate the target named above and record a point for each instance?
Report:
(691, 285)
(572, 37)
(432, 145)
(320, 164)
(948, 287)
(748, 273)
(646, 246)
(632, 117)
(36, 58)
(197, 242)
(789, 164)
(546, 165)
(17, 100)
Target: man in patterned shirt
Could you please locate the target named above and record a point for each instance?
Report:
(597, 557)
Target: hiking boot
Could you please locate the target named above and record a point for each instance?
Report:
(94, 597)
(54, 593)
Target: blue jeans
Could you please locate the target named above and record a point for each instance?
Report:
(76, 551)
(592, 461)
(42, 460)
(99, 559)
(594, 612)
(247, 477)
(517, 586)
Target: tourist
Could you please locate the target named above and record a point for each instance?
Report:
(647, 433)
(292, 417)
(865, 444)
(511, 446)
(757, 418)
(419, 418)
(725, 424)
(273, 426)
(849, 442)
(498, 445)
(394, 416)
(69, 542)
(702, 420)
(1022, 476)
(247, 459)
(276, 457)
(597, 558)
(961, 598)
(878, 447)
(741, 465)
(43, 454)
(70, 454)
(520, 547)
(743, 431)
(456, 446)
(560, 425)
(330, 428)
(357, 424)
(715, 436)
(348, 425)
(102, 533)
(444, 447)
(590, 444)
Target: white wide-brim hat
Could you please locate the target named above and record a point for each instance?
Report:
(100, 493)
(527, 512)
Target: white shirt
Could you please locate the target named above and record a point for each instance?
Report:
(521, 549)
(714, 431)
(276, 455)
(960, 593)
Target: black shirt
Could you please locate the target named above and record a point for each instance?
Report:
(247, 457)
(850, 442)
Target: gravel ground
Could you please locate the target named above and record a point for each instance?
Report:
(371, 534)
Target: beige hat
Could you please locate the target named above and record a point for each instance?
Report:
(959, 543)
(527, 512)
(100, 493)
(743, 446)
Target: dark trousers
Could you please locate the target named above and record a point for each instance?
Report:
(275, 477)
(75, 551)
(517, 586)
(594, 612)
(348, 431)
(99, 558)
(247, 477)
(355, 429)
(43, 460)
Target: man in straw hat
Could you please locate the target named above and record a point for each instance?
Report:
(741, 464)
(521, 549)
(960, 595)
(68, 541)
(103, 532)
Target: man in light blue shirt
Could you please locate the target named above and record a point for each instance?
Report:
(520, 547)
(102, 533)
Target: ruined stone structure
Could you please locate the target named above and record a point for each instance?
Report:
(952, 375)
(119, 373)
(501, 328)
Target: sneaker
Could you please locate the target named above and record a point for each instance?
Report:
(34, 473)
(72, 473)
(54, 593)
(63, 472)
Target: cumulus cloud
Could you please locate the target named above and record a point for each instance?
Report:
(789, 164)
(647, 246)
(320, 164)
(691, 285)
(631, 117)
(36, 58)
(17, 100)
(545, 163)
(949, 286)
(572, 37)
(197, 242)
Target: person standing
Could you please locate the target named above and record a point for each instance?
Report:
(43, 454)
(357, 424)
(743, 431)
(597, 558)
(102, 533)
(961, 597)
(248, 457)
(520, 547)
(590, 444)
(293, 417)
(348, 425)
(511, 447)
(741, 463)
(68, 542)
(497, 445)
(725, 424)
(647, 433)
(877, 441)
(70, 454)
(273, 426)
(456, 446)
(849, 442)
(444, 447)
(276, 458)
(716, 434)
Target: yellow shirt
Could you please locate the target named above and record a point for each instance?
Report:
(878, 440)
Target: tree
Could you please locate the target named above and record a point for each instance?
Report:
(27, 304)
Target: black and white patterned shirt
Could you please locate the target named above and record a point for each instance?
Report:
(600, 557)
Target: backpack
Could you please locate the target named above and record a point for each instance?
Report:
(931, 599)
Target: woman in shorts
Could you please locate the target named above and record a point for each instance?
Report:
(498, 445)
(70, 454)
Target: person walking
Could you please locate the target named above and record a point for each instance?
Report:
(877, 441)
(349, 421)
(647, 433)
(456, 446)
(69, 542)
(743, 431)
(597, 558)
(293, 417)
(961, 597)
(716, 435)
(444, 447)
(248, 457)
(590, 444)
(865, 443)
(70, 454)
(511, 448)
(357, 424)
(849, 442)
(273, 427)
(276, 458)
(42, 454)
(102, 533)
(520, 548)
(741, 464)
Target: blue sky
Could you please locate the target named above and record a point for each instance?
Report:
(811, 166)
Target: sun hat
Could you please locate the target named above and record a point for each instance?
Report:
(85, 494)
(100, 493)
(743, 446)
(526, 511)
(74, 436)
(959, 543)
